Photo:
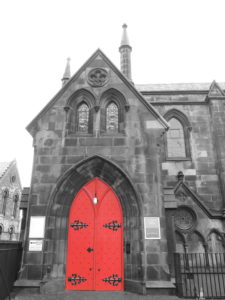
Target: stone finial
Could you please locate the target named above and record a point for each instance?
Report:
(124, 40)
(66, 75)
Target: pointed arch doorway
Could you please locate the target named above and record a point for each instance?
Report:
(95, 239)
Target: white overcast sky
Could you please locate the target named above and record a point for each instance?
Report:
(172, 41)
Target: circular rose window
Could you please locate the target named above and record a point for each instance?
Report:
(184, 218)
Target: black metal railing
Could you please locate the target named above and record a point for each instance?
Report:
(200, 275)
(10, 259)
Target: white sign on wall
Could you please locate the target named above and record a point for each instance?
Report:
(152, 228)
(35, 245)
(37, 227)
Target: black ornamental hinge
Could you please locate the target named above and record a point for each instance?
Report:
(77, 224)
(76, 279)
(113, 225)
(114, 279)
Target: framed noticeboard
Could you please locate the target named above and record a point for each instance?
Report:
(37, 227)
(152, 228)
(35, 245)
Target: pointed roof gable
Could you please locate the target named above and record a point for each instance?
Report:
(215, 92)
(101, 55)
(4, 166)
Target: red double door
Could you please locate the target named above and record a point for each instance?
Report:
(95, 239)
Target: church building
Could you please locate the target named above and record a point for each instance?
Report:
(123, 177)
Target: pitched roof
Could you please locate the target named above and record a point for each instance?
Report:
(176, 87)
(97, 53)
(4, 166)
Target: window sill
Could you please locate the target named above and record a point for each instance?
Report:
(78, 134)
(178, 159)
(113, 134)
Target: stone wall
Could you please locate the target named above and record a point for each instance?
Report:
(129, 161)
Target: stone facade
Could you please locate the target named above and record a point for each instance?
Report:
(10, 196)
(186, 193)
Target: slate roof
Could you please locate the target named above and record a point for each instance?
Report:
(4, 166)
(176, 87)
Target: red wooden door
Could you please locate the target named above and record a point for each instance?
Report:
(95, 239)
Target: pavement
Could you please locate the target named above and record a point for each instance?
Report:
(89, 295)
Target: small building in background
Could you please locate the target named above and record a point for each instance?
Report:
(10, 195)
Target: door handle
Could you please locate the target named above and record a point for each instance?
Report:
(90, 249)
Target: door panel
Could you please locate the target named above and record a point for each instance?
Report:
(109, 258)
(80, 238)
(95, 249)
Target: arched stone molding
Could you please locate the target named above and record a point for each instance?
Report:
(182, 118)
(71, 109)
(79, 96)
(180, 240)
(220, 238)
(59, 206)
(109, 96)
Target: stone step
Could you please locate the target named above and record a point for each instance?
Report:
(89, 295)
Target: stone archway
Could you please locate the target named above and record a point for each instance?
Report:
(58, 211)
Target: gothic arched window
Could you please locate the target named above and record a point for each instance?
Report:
(5, 198)
(113, 108)
(83, 118)
(79, 110)
(15, 205)
(112, 120)
(175, 139)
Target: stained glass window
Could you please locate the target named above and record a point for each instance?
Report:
(83, 117)
(112, 118)
(175, 139)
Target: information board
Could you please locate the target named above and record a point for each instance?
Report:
(152, 228)
(35, 245)
(37, 227)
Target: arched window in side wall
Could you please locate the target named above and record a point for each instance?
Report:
(82, 118)
(5, 199)
(178, 136)
(15, 205)
(175, 139)
(112, 120)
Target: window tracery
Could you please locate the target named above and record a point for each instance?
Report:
(112, 118)
(83, 118)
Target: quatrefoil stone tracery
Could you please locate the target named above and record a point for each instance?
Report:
(97, 77)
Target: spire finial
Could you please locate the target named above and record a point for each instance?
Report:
(66, 75)
(124, 40)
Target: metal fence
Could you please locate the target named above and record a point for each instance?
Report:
(200, 274)
(10, 258)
